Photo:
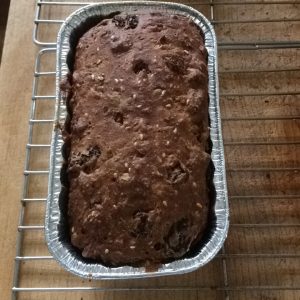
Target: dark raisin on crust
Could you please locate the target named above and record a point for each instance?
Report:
(94, 151)
(119, 118)
(176, 173)
(132, 21)
(141, 224)
(139, 65)
(129, 22)
(178, 237)
(175, 63)
(163, 40)
(82, 158)
(119, 21)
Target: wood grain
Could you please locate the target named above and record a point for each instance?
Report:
(249, 249)
(15, 98)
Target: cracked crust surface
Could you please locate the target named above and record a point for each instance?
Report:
(138, 136)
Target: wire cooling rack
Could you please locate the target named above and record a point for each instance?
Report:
(259, 63)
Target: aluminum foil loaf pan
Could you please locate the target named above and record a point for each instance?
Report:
(56, 223)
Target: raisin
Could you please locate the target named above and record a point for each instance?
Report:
(175, 63)
(176, 173)
(119, 21)
(119, 118)
(81, 158)
(141, 224)
(163, 40)
(177, 238)
(94, 151)
(132, 21)
(140, 65)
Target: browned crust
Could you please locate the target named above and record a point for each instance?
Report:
(138, 139)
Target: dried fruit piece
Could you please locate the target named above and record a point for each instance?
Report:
(175, 63)
(119, 21)
(132, 21)
(176, 172)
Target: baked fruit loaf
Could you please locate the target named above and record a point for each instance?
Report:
(138, 136)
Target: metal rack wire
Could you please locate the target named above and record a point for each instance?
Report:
(32, 259)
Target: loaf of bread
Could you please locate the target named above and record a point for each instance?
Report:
(138, 139)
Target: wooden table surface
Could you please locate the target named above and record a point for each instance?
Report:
(262, 157)
(15, 98)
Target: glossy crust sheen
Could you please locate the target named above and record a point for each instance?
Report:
(137, 167)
